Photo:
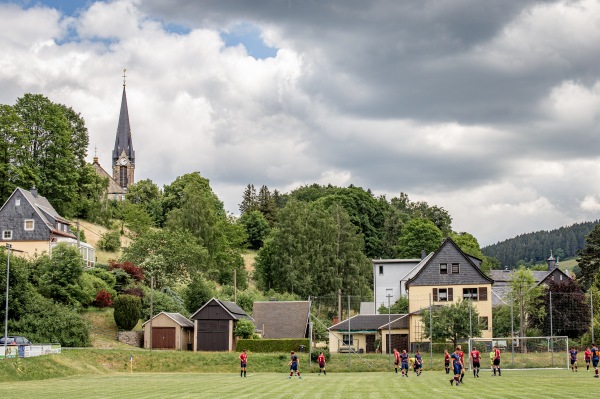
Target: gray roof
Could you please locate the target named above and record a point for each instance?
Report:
(123, 140)
(282, 319)
(399, 323)
(177, 318)
(231, 308)
(502, 278)
(366, 322)
(113, 186)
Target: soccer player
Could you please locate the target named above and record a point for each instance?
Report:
(462, 360)
(497, 361)
(396, 359)
(588, 357)
(492, 354)
(447, 361)
(457, 366)
(573, 356)
(595, 356)
(418, 365)
(243, 361)
(475, 357)
(294, 362)
(321, 361)
(404, 359)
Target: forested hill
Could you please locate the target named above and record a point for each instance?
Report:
(533, 248)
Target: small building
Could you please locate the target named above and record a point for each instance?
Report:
(282, 319)
(502, 280)
(169, 331)
(214, 323)
(369, 333)
(31, 224)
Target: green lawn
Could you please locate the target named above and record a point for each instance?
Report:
(431, 384)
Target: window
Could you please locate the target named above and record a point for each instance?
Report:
(123, 176)
(29, 224)
(455, 268)
(443, 268)
(7, 235)
(483, 294)
(484, 323)
(348, 339)
(381, 270)
(18, 202)
(443, 295)
(470, 293)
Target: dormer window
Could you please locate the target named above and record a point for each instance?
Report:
(29, 225)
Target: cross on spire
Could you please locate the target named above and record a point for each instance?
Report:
(124, 76)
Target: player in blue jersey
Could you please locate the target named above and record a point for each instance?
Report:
(294, 365)
(404, 361)
(457, 366)
(595, 356)
(418, 365)
(573, 358)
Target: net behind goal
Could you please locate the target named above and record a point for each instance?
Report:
(525, 353)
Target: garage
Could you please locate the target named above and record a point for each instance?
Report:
(169, 331)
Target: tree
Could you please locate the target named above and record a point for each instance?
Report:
(256, 227)
(198, 292)
(128, 311)
(249, 201)
(59, 275)
(501, 321)
(266, 205)
(419, 235)
(398, 307)
(452, 322)
(244, 328)
(147, 195)
(14, 172)
(589, 258)
(525, 291)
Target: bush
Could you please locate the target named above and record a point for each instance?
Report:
(110, 241)
(103, 299)
(135, 291)
(102, 273)
(163, 301)
(315, 354)
(134, 272)
(273, 345)
(198, 292)
(122, 279)
(244, 328)
(128, 311)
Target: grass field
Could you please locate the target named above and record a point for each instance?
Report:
(431, 384)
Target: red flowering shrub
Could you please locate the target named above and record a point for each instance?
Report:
(103, 299)
(134, 272)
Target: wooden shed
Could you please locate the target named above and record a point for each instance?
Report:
(214, 323)
(169, 331)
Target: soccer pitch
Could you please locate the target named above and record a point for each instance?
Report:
(432, 384)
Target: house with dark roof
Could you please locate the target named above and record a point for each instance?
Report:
(169, 331)
(214, 323)
(448, 276)
(31, 224)
(369, 333)
(282, 319)
(502, 280)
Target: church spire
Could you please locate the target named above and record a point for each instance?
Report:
(123, 140)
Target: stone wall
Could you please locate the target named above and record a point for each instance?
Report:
(133, 338)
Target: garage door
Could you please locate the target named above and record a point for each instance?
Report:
(163, 338)
(213, 335)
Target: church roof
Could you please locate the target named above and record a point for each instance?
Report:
(123, 140)
(113, 186)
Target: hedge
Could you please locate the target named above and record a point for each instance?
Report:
(272, 345)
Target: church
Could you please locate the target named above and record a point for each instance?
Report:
(123, 156)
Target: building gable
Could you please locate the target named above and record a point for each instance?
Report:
(449, 266)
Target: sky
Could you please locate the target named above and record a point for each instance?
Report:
(490, 109)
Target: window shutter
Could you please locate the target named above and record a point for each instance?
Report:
(450, 294)
(483, 293)
(435, 295)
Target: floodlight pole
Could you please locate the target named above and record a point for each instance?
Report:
(512, 330)
(8, 248)
(592, 312)
(389, 337)
(551, 332)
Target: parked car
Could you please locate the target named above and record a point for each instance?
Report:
(15, 340)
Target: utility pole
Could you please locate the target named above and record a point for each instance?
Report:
(339, 305)
(8, 248)
(151, 306)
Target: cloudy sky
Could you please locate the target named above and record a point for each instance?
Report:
(490, 110)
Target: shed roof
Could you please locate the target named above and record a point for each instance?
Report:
(366, 322)
(231, 308)
(282, 319)
(176, 317)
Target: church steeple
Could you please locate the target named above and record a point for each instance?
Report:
(123, 154)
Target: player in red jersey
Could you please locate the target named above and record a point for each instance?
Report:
(573, 357)
(475, 357)
(243, 361)
(462, 360)
(497, 361)
(396, 359)
(447, 361)
(588, 357)
(321, 361)
(595, 356)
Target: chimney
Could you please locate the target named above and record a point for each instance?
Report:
(33, 192)
(551, 262)
(423, 254)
